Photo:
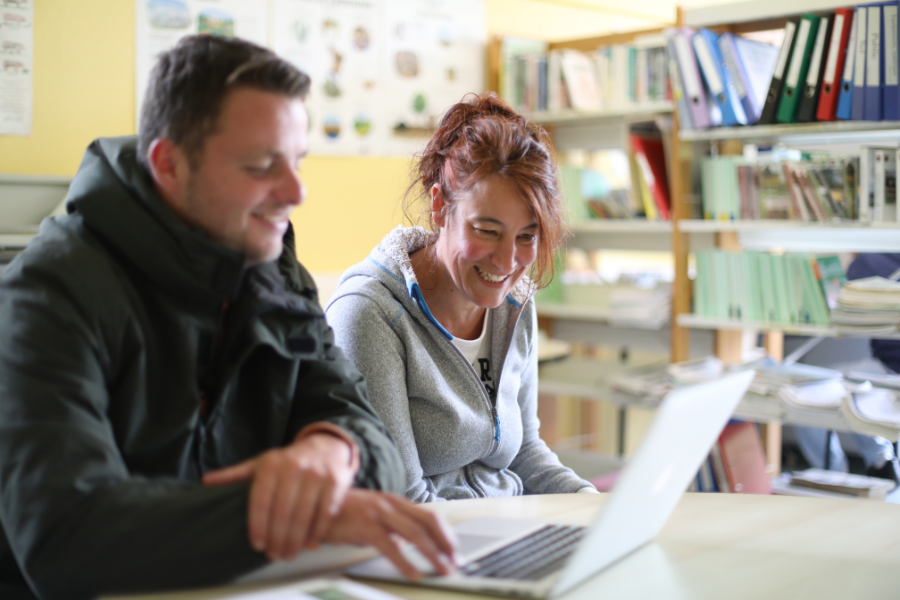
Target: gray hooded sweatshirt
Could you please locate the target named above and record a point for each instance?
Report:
(458, 438)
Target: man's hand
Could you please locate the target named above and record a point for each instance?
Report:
(296, 492)
(382, 520)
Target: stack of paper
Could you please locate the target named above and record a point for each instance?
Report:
(643, 308)
(771, 376)
(875, 412)
(819, 395)
(868, 306)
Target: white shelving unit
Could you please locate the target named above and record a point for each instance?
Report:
(699, 322)
(799, 133)
(802, 236)
(582, 118)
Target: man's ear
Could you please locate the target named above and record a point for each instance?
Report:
(169, 168)
(438, 206)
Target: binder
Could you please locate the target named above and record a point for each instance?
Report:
(750, 65)
(809, 100)
(832, 78)
(891, 103)
(797, 69)
(678, 93)
(718, 81)
(693, 87)
(874, 90)
(773, 97)
(857, 104)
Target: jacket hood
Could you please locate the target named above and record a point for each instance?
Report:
(115, 197)
(390, 264)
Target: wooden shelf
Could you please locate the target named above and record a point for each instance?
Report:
(577, 117)
(699, 322)
(822, 133)
(803, 236)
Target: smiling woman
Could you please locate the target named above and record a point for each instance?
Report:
(440, 319)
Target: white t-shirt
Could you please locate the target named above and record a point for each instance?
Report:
(478, 352)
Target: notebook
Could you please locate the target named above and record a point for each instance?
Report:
(495, 551)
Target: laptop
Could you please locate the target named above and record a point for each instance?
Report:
(534, 559)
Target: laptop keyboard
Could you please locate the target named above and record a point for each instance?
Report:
(530, 558)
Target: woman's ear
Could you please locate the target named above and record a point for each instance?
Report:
(437, 205)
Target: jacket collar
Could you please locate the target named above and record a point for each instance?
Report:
(115, 196)
(403, 241)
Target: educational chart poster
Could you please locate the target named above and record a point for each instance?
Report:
(161, 23)
(16, 51)
(383, 71)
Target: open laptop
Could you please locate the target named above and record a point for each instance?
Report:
(533, 559)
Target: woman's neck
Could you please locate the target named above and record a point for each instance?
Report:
(458, 315)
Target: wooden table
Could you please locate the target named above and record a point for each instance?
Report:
(716, 547)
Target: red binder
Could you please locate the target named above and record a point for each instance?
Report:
(651, 159)
(743, 459)
(834, 65)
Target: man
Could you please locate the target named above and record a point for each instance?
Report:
(173, 411)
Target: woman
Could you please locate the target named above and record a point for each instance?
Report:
(441, 322)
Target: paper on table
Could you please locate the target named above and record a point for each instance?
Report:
(318, 589)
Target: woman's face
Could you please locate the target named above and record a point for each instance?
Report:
(488, 240)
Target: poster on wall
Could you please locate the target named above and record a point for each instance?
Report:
(161, 23)
(383, 71)
(16, 52)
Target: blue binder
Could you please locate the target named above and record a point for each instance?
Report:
(717, 79)
(874, 91)
(857, 106)
(891, 38)
(846, 95)
(750, 64)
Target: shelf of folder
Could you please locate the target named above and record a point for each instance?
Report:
(835, 131)
(641, 226)
(575, 312)
(806, 236)
(586, 378)
(579, 117)
(700, 322)
(14, 241)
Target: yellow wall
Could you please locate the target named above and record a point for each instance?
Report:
(84, 88)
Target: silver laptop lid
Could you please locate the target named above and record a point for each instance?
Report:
(687, 424)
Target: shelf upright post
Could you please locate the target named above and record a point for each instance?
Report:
(679, 178)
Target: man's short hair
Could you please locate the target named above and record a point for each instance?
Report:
(190, 82)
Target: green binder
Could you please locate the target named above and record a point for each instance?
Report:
(795, 77)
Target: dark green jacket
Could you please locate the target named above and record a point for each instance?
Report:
(112, 321)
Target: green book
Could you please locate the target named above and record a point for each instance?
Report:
(794, 79)
(570, 178)
(785, 298)
(831, 276)
(701, 285)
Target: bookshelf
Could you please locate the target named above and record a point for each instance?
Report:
(746, 17)
(587, 326)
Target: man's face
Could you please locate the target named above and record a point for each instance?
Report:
(245, 186)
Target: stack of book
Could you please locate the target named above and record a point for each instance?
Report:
(817, 189)
(847, 484)
(736, 464)
(869, 306)
(616, 77)
(837, 65)
(760, 288)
